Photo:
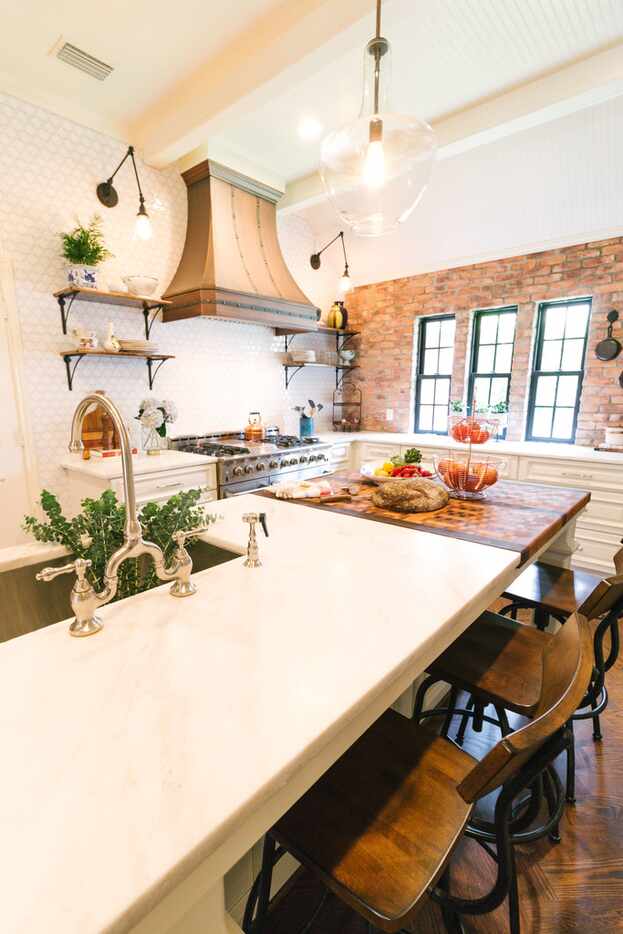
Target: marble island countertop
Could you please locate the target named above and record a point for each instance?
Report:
(130, 757)
(524, 448)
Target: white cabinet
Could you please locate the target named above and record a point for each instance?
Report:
(340, 456)
(371, 451)
(158, 487)
(151, 487)
(600, 526)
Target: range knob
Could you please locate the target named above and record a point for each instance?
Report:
(285, 462)
(303, 459)
(260, 466)
(237, 471)
(248, 469)
(273, 465)
(294, 460)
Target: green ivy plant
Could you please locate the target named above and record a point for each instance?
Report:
(97, 532)
(85, 245)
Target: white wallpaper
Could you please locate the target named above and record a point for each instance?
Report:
(49, 169)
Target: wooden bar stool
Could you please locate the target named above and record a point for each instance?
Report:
(550, 591)
(378, 829)
(499, 661)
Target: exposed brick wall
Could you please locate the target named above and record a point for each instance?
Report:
(386, 312)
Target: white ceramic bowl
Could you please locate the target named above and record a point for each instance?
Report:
(141, 285)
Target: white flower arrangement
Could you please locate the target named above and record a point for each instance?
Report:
(154, 413)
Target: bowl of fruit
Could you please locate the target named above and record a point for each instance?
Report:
(400, 467)
(472, 429)
(467, 476)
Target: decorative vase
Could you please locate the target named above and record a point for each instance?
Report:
(335, 318)
(153, 441)
(82, 276)
(306, 426)
(344, 311)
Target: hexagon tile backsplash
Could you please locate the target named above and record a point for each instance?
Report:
(49, 169)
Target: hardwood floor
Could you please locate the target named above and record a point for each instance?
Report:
(575, 886)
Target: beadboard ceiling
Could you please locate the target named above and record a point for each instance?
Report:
(185, 74)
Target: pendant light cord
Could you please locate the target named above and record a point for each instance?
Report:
(377, 57)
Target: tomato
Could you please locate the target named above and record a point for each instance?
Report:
(461, 432)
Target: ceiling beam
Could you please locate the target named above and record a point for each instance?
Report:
(586, 83)
(254, 67)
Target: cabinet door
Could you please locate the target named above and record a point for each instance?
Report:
(339, 456)
(158, 487)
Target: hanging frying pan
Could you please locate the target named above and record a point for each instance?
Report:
(609, 348)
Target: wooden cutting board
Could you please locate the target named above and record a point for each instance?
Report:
(98, 430)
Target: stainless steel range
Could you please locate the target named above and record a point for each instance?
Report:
(245, 466)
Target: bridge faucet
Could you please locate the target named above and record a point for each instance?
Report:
(86, 623)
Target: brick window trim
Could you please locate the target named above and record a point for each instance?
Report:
(386, 314)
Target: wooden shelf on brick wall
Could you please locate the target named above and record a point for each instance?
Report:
(78, 355)
(68, 295)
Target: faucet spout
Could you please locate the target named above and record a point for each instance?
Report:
(132, 531)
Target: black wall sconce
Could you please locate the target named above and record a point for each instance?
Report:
(345, 283)
(108, 196)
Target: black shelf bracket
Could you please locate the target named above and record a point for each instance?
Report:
(339, 376)
(149, 322)
(72, 369)
(290, 376)
(153, 372)
(65, 311)
(287, 340)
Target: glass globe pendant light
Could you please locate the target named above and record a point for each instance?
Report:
(376, 169)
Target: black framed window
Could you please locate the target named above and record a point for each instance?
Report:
(493, 342)
(434, 373)
(558, 370)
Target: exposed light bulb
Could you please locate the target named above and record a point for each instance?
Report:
(373, 172)
(142, 227)
(345, 283)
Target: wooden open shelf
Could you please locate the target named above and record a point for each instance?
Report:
(339, 368)
(67, 295)
(78, 355)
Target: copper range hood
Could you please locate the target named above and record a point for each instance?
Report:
(232, 267)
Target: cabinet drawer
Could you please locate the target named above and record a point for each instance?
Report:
(596, 550)
(377, 452)
(159, 486)
(605, 512)
(584, 476)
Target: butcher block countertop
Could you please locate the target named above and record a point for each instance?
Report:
(519, 516)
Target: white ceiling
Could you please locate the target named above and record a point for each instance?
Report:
(151, 45)
(448, 55)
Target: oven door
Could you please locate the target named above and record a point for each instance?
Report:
(244, 486)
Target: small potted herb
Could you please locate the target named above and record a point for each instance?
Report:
(500, 412)
(457, 407)
(307, 413)
(84, 250)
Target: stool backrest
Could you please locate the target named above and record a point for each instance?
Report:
(567, 667)
(607, 595)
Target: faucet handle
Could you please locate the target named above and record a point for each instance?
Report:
(80, 566)
(180, 537)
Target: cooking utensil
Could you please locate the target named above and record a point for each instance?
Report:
(609, 348)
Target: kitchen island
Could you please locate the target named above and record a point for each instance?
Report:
(140, 764)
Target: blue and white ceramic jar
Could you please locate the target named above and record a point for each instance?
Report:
(82, 276)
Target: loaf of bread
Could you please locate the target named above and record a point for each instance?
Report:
(411, 496)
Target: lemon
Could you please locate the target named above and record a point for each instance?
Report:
(388, 467)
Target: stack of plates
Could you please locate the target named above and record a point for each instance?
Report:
(137, 346)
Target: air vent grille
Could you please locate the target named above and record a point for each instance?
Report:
(72, 55)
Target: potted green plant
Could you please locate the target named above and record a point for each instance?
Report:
(84, 250)
(457, 407)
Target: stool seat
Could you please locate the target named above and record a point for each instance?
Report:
(497, 660)
(557, 590)
(380, 824)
